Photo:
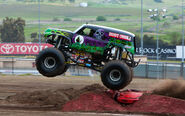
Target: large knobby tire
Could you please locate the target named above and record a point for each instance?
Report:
(63, 71)
(50, 62)
(116, 75)
(132, 74)
(66, 67)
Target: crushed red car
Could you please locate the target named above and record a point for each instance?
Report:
(126, 97)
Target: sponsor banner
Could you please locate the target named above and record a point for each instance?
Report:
(162, 51)
(179, 51)
(22, 48)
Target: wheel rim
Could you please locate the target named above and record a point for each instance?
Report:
(49, 62)
(115, 75)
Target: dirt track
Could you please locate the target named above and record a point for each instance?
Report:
(54, 113)
(14, 84)
(11, 85)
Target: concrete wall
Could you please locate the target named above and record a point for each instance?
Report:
(143, 58)
(17, 63)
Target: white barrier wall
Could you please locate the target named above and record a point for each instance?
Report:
(179, 51)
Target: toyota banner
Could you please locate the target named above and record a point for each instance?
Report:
(22, 48)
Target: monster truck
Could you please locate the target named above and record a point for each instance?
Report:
(107, 50)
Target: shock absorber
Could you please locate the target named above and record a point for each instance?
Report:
(118, 53)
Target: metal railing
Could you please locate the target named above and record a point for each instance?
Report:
(160, 70)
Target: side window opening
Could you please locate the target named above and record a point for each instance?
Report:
(87, 32)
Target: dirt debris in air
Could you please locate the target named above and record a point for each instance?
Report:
(56, 98)
(171, 88)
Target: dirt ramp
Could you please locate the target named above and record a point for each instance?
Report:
(171, 88)
(148, 104)
(157, 104)
(55, 98)
(98, 102)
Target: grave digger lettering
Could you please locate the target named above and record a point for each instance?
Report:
(119, 36)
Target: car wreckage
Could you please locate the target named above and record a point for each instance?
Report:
(107, 50)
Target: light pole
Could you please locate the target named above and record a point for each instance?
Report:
(182, 36)
(155, 15)
(39, 25)
(157, 31)
(142, 27)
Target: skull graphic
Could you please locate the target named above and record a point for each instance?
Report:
(99, 34)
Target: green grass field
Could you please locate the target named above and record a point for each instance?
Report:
(129, 13)
(30, 11)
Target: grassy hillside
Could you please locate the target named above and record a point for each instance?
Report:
(130, 8)
(30, 11)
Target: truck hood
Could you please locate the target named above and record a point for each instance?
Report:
(63, 32)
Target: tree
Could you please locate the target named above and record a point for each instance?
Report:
(138, 41)
(52, 0)
(166, 24)
(175, 38)
(155, 18)
(117, 19)
(149, 41)
(35, 37)
(175, 17)
(12, 30)
(67, 19)
(159, 1)
(72, 1)
(100, 18)
(55, 19)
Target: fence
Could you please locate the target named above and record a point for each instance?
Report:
(160, 70)
(144, 69)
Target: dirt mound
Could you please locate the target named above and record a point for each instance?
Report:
(171, 88)
(56, 98)
(93, 98)
(157, 104)
(98, 102)
(149, 104)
